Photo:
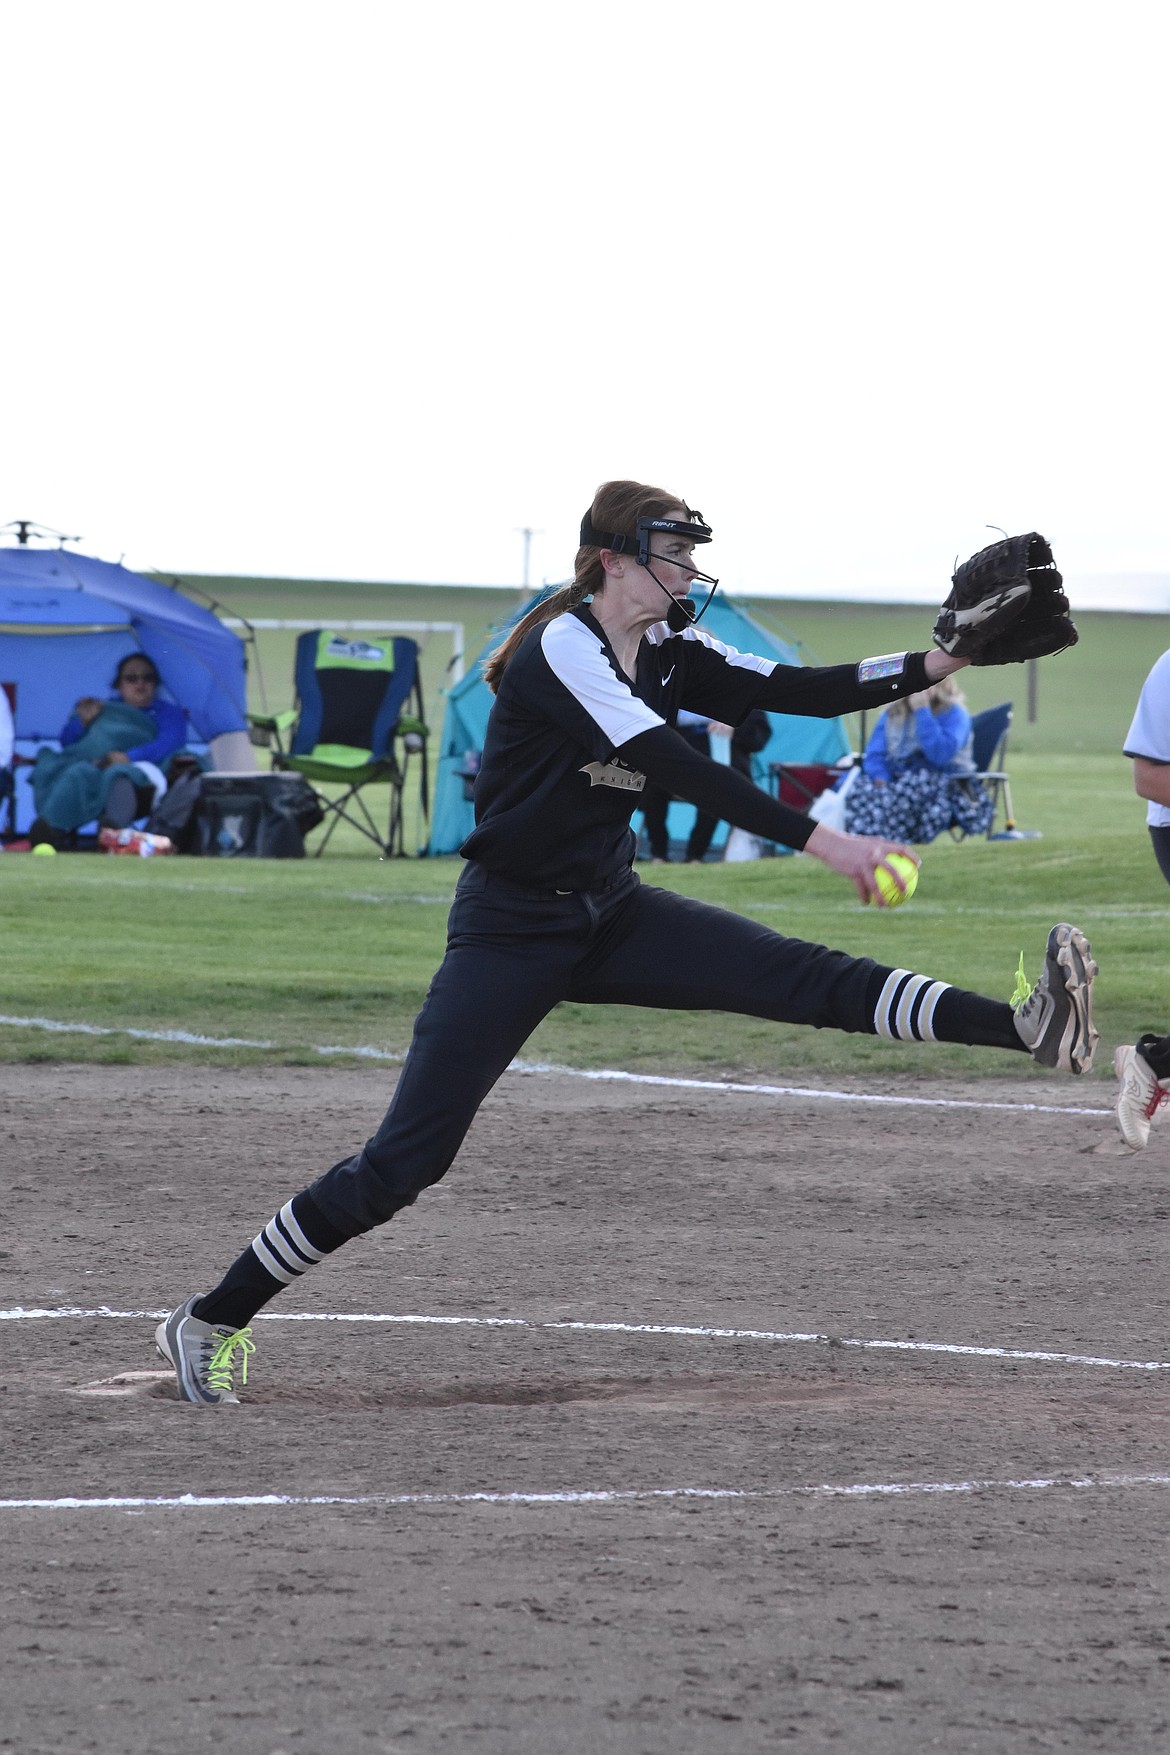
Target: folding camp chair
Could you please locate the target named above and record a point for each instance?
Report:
(351, 728)
(989, 735)
(800, 784)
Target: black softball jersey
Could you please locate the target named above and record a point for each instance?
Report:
(571, 742)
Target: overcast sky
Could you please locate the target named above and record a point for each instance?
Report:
(360, 290)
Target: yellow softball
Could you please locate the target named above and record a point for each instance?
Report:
(906, 869)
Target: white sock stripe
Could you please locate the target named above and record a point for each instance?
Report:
(915, 1007)
(296, 1236)
(930, 1000)
(280, 1246)
(283, 1246)
(274, 1265)
(903, 1018)
(881, 1016)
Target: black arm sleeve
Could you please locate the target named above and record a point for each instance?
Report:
(667, 759)
(828, 691)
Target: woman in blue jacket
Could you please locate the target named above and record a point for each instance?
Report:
(910, 786)
(110, 751)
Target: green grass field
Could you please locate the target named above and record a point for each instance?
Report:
(337, 953)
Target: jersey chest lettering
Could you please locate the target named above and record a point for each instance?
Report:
(615, 775)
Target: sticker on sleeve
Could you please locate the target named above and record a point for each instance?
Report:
(881, 669)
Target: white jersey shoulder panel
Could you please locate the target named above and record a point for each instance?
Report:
(578, 660)
(661, 632)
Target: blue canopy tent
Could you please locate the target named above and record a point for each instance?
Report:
(793, 740)
(65, 621)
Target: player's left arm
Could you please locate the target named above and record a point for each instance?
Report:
(825, 692)
(726, 684)
(1151, 780)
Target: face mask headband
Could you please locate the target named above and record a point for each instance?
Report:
(682, 613)
(695, 530)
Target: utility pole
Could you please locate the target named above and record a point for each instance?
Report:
(527, 533)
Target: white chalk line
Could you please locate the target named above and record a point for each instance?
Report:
(187, 1036)
(586, 1496)
(685, 1331)
(739, 1088)
(613, 1075)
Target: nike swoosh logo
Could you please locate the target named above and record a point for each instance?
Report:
(669, 673)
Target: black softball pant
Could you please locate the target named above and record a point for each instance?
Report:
(514, 953)
(1161, 839)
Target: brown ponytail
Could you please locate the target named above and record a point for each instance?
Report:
(616, 508)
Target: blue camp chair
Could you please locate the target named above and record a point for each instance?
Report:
(357, 723)
(989, 735)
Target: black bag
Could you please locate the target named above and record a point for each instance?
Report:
(239, 816)
(174, 814)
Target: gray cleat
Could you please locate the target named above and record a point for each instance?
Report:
(1054, 1021)
(204, 1355)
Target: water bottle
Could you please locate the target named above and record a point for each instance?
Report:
(138, 841)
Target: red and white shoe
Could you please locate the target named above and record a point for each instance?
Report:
(1141, 1095)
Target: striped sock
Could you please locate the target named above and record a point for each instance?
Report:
(906, 1006)
(283, 1249)
(913, 1008)
(294, 1240)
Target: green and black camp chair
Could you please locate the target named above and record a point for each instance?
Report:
(357, 722)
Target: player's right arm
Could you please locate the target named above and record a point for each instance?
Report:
(670, 762)
(1151, 780)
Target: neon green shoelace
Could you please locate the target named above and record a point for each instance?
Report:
(1023, 986)
(223, 1361)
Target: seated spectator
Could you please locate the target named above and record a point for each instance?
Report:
(907, 788)
(110, 764)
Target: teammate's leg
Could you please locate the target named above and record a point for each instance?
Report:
(655, 805)
(1161, 841)
(1144, 1071)
(701, 835)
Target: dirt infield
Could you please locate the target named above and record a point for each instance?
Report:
(1020, 1604)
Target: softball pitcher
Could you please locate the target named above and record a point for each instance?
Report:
(549, 907)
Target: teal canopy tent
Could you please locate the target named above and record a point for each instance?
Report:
(793, 740)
